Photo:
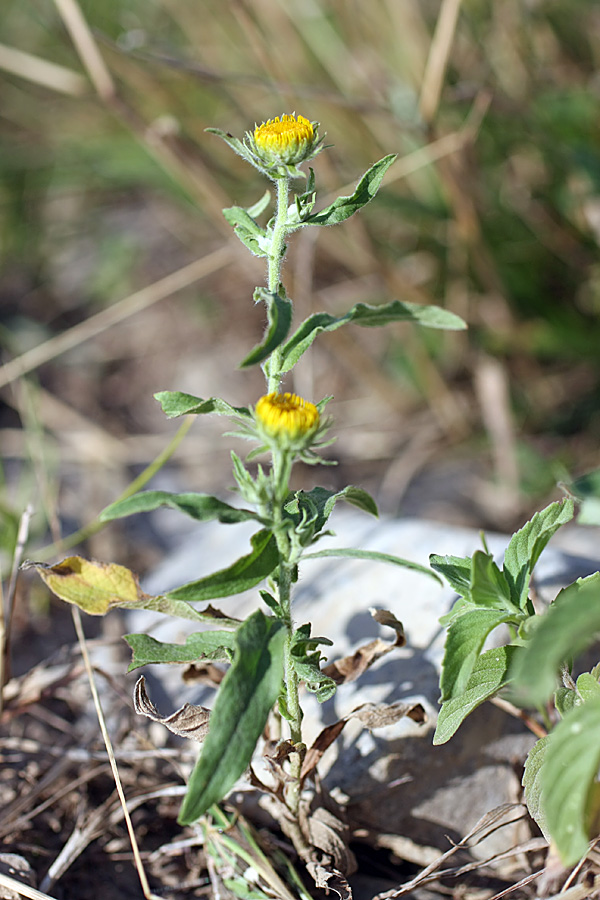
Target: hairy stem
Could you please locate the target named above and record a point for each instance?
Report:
(276, 254)
(281, 476)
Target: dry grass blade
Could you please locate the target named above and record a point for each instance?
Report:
(40, 71)
(109, 749)
(488, 823)
(86, 46)
(114, 314)
(23, 890)
(437, 60)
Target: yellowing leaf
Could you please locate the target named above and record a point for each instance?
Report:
(94, 587)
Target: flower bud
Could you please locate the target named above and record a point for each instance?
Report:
(280, 144)
(286, 420)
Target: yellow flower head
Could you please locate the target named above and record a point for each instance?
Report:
(283, 143)
(288, 420)
(284, 140)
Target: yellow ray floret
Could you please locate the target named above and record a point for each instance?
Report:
(287, 416)
(286, 139)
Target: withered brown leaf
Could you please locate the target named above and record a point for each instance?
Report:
(189, 721)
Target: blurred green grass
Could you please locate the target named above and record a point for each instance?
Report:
(100, 196)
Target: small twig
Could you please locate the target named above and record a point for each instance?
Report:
(437, 61)
(517, 713)
(41, 71)
(87, 48)
(136, 485)
(113, 315)
(23, 889)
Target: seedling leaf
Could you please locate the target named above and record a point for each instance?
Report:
(527, 544)
(464, 641)
(489, 675)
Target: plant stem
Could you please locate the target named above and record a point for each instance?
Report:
(281, 476)
(276, 254)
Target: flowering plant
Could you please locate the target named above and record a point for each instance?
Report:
(268, 655)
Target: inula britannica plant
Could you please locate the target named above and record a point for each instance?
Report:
(271, 659)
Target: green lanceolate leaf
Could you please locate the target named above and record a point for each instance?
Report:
(202, 507)
(489, 675)
(571, 624)
(246, 695)
(569, 790)
(247, 230)
(344, 207)
(464, 641)
(244, 574)
(175, 403)
(351, 553)
(527, 544)
(367, 317)
(279, 313)
(236, 145)
(456, 570)
(489, 587)
(259, 207)
(203, 645)
(532, 786)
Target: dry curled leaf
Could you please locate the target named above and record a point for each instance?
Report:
(387, 618)
(349, 668)
(371, 715)
(322, 742)
(329, 880)
(189, 721)
(378, 715)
